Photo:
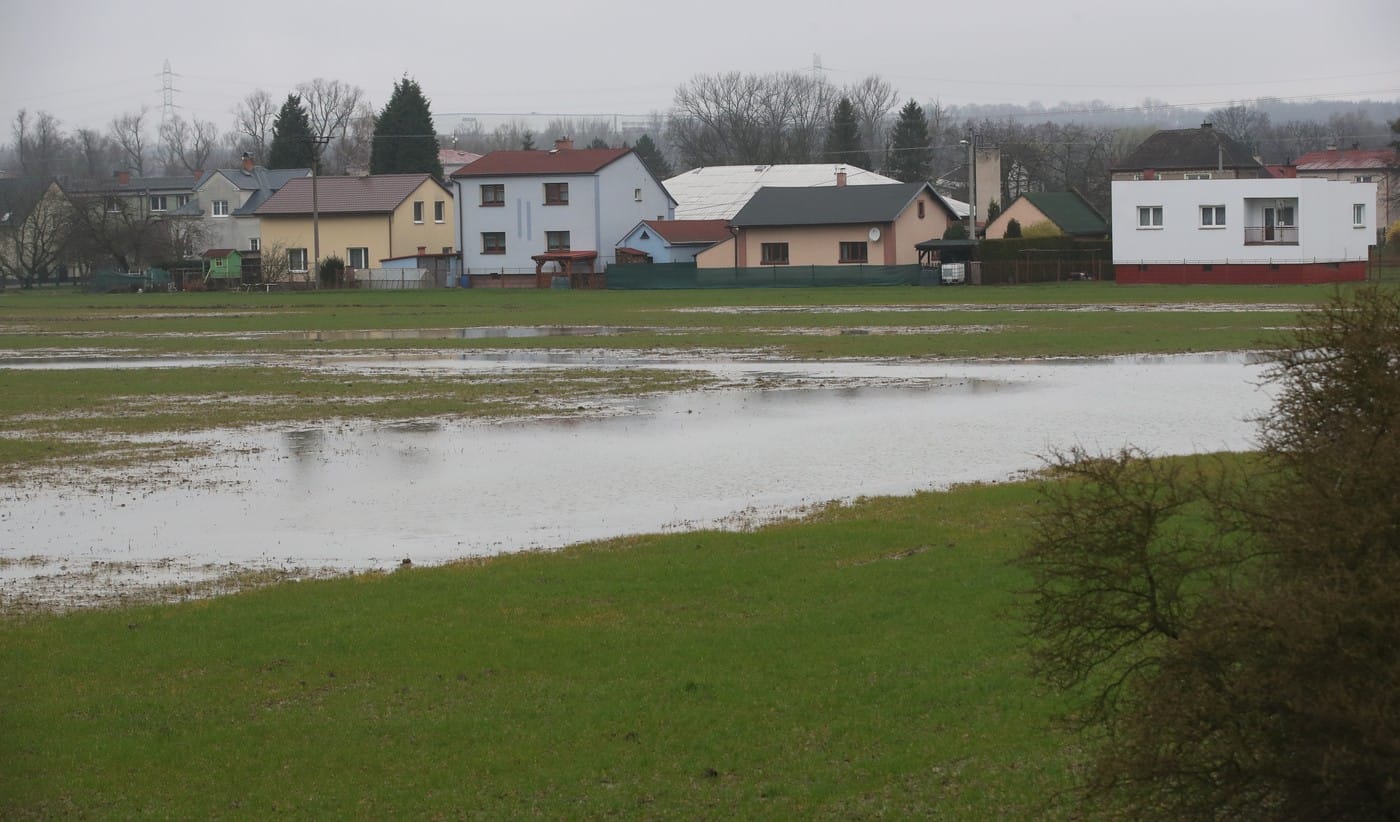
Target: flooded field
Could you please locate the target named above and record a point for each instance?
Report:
(780, 436)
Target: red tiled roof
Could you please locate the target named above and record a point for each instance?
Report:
(1348, 159)
(686, 232)
(1281, 171)
(534, 161)
(375, 194)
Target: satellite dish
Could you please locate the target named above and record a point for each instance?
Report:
(874, 235)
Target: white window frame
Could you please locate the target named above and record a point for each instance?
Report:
(1196, 175)
(636, 195)
(418, 212)
(254, 244)
(1154, 216)
(439, 211)
(218, 208)
(350, 258)
(1358, 215)
(1212, 216)
(157, 202)
(292, 254)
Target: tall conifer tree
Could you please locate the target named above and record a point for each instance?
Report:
(909, 151)
(652, 158)
(405, 141)
(843, 137)
(291, 137)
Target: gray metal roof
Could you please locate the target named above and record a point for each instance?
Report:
(262, 178)
(831, 205)
(136, 185)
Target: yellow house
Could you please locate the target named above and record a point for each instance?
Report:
(362, 220)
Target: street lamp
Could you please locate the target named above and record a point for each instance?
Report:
(971, 143)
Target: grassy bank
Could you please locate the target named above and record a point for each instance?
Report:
(862, 662)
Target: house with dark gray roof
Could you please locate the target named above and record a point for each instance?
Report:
(1204, 153)
(144, 196)
(835, 225)
(1067, 211)
(226, 201)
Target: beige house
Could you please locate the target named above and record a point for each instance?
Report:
(840, 225)
(1067, 211)
(362, 220)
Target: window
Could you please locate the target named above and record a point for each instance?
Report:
(493, 194)
(493, 242)
(182, 199)
(1196, 175)
(447, 249)
(1365, 178)
(439, 209)
(1358, 215)
(556, 241)
(1285, 215)
(113, 204)
(219, 208)
(157, 202)
(637, 194)
(921, 209)
(357, 258)
(773, 254)
(1149, 216)
(853, 253)
(296, 259)
(417, 211)
(556, 193)
(254, 244)
(1213, 216)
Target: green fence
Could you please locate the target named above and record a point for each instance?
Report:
(687, 275)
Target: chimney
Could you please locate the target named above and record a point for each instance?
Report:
(422, 249)
(123, 177)
(198, 174)
(840, 178)
(247, 163)
(563, 144)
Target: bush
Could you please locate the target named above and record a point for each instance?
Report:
(1392, 235)
(1013, 228)
(955, 231)
(1233, 633)
(332, 270)
(1041, 230)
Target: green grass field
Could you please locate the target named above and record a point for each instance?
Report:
(865, 661)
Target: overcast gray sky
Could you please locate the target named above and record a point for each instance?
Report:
(86, 61)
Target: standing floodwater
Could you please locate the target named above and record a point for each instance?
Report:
(368, 495)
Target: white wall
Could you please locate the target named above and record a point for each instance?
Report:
(1323, 217)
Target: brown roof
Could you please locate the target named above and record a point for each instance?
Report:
(534, 161)
(1190, 148)
(686, 232)
(219, 253)
(375, 194)
(1348, 160)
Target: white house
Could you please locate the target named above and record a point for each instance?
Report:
(523, 211)
(1240, 231)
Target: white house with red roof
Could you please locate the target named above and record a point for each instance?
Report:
(1359, 165)
(523, 212)
(671, 241)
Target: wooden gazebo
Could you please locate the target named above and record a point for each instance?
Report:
(576, 265)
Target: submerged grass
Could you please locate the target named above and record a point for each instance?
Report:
(858, 663)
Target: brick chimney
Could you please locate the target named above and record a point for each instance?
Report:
(122, 177)
(563, 144)
(247, 163)
(840, 178)
(198, 174)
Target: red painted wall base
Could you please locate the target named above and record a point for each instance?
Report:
(1240, 273)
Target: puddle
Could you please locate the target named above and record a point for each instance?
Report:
(366, 496)
(1082, 307)
(475, 333)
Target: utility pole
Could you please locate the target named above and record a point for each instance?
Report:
(971, 142)
(317, 142)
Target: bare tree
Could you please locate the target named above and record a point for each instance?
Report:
(188, 145)
(129, 133)
(351, 150)
(94, 153)
(1248, 125)
(30, 246)
(252, 118)
(874, 100)
(40, 143)
(330, 105)
(721, 119)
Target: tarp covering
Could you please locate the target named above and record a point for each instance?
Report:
(688, 275)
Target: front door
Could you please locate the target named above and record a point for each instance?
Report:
(1269, 221)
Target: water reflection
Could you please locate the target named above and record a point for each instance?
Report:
(474, 333)
(367, 495)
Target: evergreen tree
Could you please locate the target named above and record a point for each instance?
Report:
(527, 143)
(405, 141)
(599, 142)
(843, 143)
(652, 158)
(291, 137)
(909, 150)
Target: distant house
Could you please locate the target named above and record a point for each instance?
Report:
(1379, 166)
(1067, 211)
(838, 225)
(362, 219)
(153, 196)
(146, 219)
(452, 160)
(33, 217)
(226, 201)
(670, 241)
(561, 210)
(1204, 153)
(1242, 231)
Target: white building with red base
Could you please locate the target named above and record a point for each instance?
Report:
(1247, 231)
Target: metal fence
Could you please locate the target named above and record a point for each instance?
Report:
(398, 279)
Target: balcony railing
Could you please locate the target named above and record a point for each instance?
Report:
(1271, 235)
